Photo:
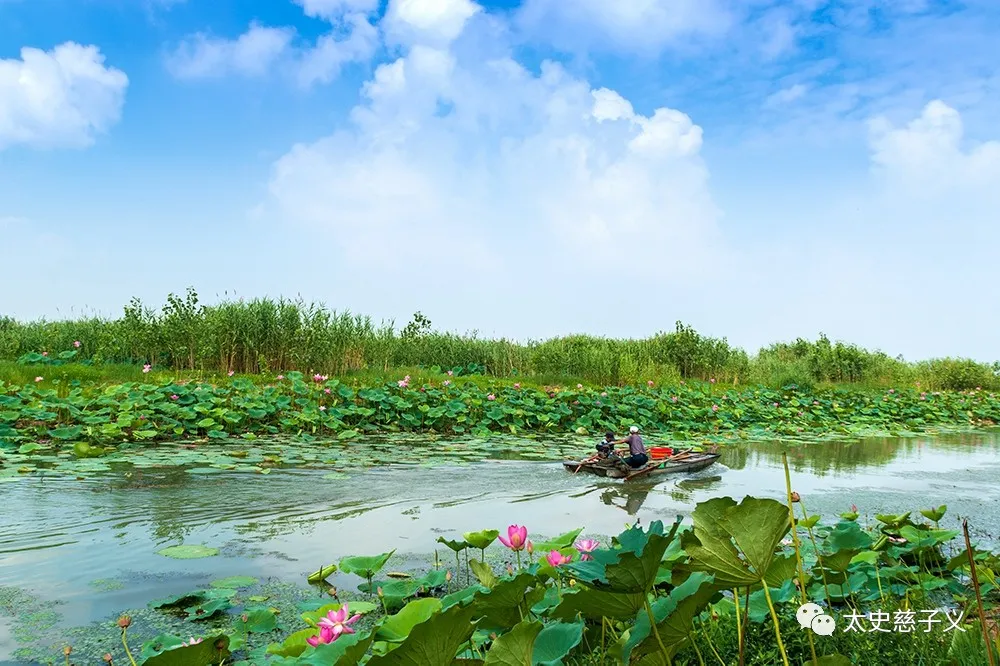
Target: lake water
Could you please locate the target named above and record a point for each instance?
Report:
(88, 546)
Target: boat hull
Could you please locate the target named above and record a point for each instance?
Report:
(611, 470)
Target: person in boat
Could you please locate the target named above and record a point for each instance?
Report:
(637, 456)
(606, 447)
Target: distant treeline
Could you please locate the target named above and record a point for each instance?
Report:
(268, 335)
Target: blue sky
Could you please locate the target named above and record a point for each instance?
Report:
(760, 169)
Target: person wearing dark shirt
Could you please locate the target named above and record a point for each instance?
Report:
(636, 449)
(607, 446)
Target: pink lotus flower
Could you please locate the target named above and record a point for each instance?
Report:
(673, 398)
(775, 404)
(586, 547)
(598, 403)
(326, 635)
(517, 385)
(45, 353)
(446, 382)
(338, 622)
(450, 373)
(322, 408)
(280, 377)
(517, 537)
(854, 508)
(146, 368)
(192, 641)
(317, 377)
(649, 383)
(712, 380)
(76, 343)
(231, 373)
(556, 559)
(579, 386)
(715, 408)
(174, 397)
(38, 379)
(403, 383)
(892, 390)
(491, 397)
(604, 394)
(327, 391)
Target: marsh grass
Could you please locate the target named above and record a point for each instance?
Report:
(267, 336)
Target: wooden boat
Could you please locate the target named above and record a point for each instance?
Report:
(683, 462)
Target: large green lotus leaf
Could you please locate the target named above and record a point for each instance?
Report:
(347, 650)
(562, 541)
(234, 582)
(481, 539)
(158, 644)
(758, 608)
(594, 604)
(208, 609)
(258, 621)
(293, 645)
(736, 542)
(180, 600)
(633, 567)
(397, 627)
(457, 546)
(365, 566)
(434, 642)
(503, 605)
(200, 654)
(462, 596)
(847, 535)
(483, 572)
(188, 552)
(674, 615)
(556, 641)
(514, 648)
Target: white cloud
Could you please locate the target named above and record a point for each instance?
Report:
(59, 98)
(251, 54)
(262, 49)
(455, 155)
(786, 95)
(927, 156)
(323, 62)
(428, 21)
(643, 25)
(333, 10)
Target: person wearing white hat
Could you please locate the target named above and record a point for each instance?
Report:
(637, 450)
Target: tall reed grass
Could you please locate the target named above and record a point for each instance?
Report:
(267, 335)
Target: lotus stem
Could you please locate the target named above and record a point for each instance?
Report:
(694, 644)
(652, 627)
(819, 558)
(128, 653)
(711, 645)
(798, 555)
(518, 554)
(777, 629)
(739, 625)
(979, 596)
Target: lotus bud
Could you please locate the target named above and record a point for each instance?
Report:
(381, 594)
(510, 570)
(493, 636)
(795, 496)
(107, 657)
(68, 650)
(531, 548)
(245, 617)
(332, 592)
(447, 576)
(124, 621)
(572, 582)
(220, 644)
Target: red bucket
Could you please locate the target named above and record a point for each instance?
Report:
(660, 452)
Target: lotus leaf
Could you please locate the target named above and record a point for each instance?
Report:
(188, 552)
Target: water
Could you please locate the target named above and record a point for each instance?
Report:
(90, 544)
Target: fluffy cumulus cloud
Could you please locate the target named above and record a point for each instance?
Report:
(59, 98)
(261, 49)
(428, 21)
(474, 157)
